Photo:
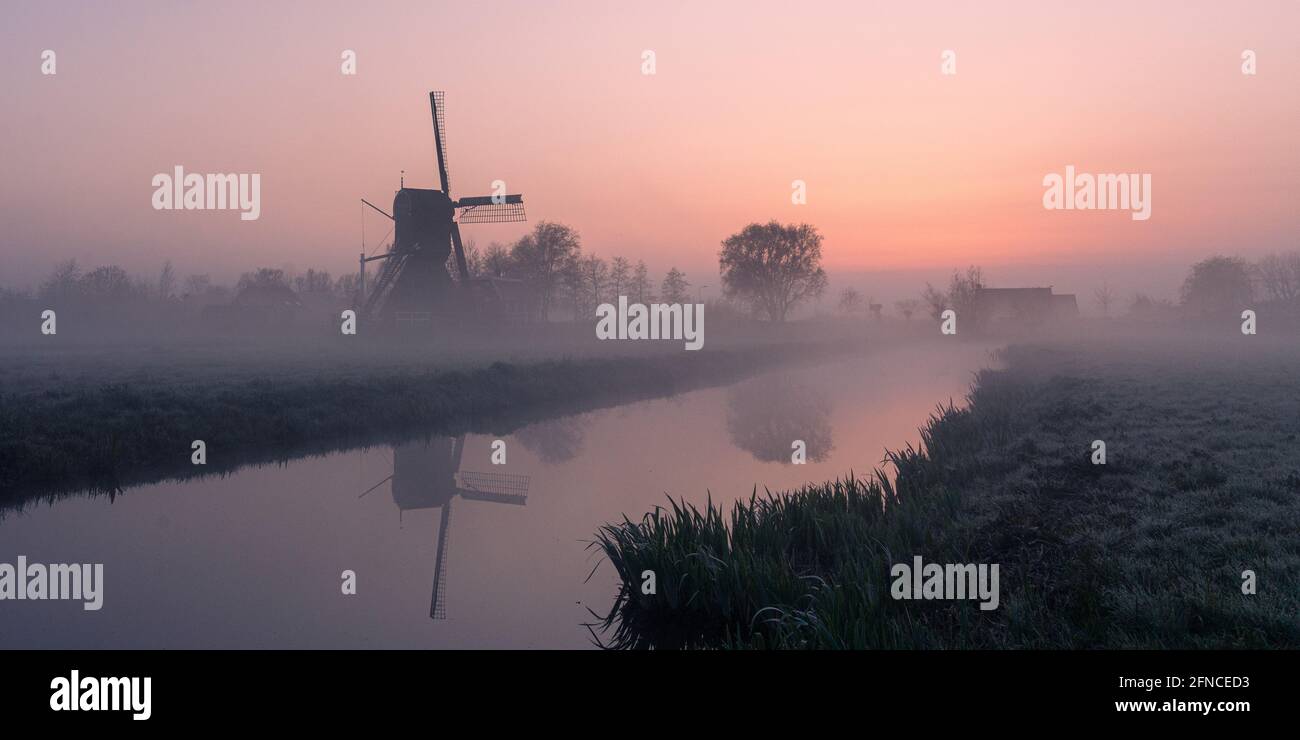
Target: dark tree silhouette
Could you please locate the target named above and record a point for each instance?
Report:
(1218, 286)
(619, 276)
(1105, 299)
(544, 256)
(263, 277)
(496, 260)
(110, 283)
(773, 267)
(960, 295)
(674, 287)
(63, 282)
(1278, 276)
(639, 288)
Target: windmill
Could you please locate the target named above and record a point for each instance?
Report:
(427, 475)
(414, 282)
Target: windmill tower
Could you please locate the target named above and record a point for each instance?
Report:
(414, 282)
(427, 475)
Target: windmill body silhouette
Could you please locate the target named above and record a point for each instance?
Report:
(426, 231)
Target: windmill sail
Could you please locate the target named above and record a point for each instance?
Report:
(437, 102)
(462, 266)
(501, 488)
(438, 606)
(509, 211)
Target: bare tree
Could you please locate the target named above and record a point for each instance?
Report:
(166, 281)
(596, 274)
(1278, 276)
(960, 295)
(63, 283)
(473, 259)
(573, 288)
(314, 281)
(544, 256)
(674, 287)
(1105, 298)
(936, 300)
(619, 275)
(496, 260)
(640, 286)
(850, 301)
(263, 277)
(346, 285)
(197, 285)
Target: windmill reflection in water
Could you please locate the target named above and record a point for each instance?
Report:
(427, 475)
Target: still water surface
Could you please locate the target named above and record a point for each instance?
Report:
(253, 560)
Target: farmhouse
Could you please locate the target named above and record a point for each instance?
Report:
(1023, 306)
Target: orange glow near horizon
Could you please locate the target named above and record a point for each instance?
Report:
(905, 168)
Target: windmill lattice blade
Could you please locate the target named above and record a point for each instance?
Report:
(438, 104)
(502, 488)
(487, 200)
(493, 213)
(438, 606)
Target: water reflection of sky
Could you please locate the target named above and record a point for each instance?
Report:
(254, 559)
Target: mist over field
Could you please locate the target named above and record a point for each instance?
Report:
(966, 333)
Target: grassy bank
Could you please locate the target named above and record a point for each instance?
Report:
(60, 435)
(1202, 482)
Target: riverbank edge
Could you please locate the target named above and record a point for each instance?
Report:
(1146, 551)
(101, 440)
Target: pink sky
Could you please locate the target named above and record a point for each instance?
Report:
(906, 169)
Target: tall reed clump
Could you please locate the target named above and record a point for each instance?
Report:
(809, 568)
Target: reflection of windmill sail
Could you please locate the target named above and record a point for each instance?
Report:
(499, 488)
(438, 606)
(427, 475)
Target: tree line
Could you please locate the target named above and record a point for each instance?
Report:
(768, 269)
(551, 260)
(1215, 286)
